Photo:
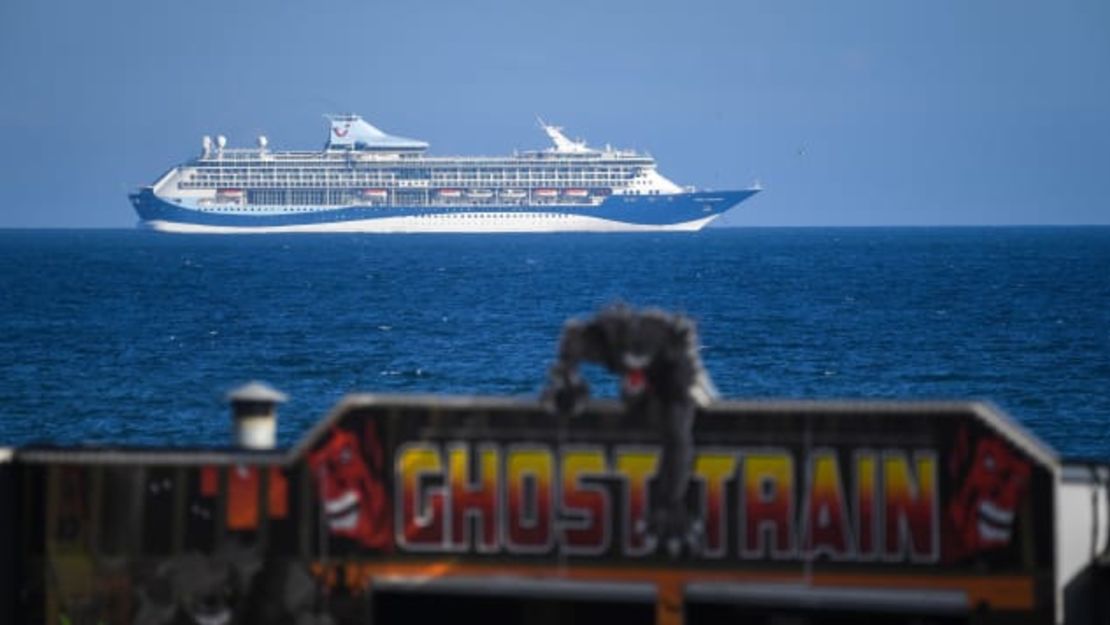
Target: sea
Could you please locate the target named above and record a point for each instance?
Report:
(129, 337)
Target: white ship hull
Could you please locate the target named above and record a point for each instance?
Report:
(468, 223)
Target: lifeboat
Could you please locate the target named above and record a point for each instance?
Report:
(230, 192)
(512, 194)
(479, 194)
(576, 193)
(449, 193)
(375, 194)
(545, 193)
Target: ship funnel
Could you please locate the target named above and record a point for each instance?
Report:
(352, 132)
(221, 141)
(254, 414)
(206, 144)
(262, 142)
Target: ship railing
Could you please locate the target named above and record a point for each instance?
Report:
(271, 158)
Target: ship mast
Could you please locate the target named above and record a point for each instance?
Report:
(562, 143)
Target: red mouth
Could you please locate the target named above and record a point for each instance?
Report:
(635, 381)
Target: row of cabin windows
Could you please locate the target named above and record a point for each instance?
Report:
(421, 170)
(216, 178)
(269, 198)
(456, 173)
(204, 184)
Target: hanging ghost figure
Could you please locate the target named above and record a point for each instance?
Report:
(662, 381)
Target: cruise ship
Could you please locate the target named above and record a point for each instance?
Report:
(365, 180)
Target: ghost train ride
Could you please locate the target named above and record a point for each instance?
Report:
(901, 511)
(507, 510)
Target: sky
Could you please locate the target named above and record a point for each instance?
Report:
(851, 113)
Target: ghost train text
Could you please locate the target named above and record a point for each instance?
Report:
(587, 500)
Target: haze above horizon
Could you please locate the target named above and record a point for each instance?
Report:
(869, 113)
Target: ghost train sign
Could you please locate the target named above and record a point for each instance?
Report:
(946, 497)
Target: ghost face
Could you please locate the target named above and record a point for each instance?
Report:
(634, 374)
(638, 344)
(984, 510)
(353, 498)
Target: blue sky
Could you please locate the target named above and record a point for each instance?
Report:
(849, 113)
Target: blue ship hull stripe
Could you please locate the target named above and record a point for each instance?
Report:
(638, 210)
